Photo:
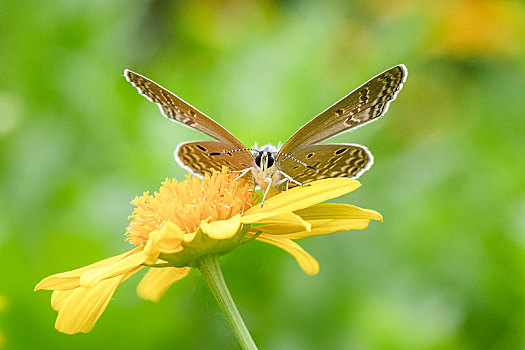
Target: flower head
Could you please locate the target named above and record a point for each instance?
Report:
(184, 221)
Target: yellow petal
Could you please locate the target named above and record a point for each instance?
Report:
(258, 218)
(168, 238)
(81, 310)
(157, 281)
(59, 297)
(92, 277)
(337, 211)
(319, 227)
(305, 260)
(151, 254)
(71, 279)
(265, 217)
(302, 197)
(287, 219)
(222, 229)
(286, 229)
(188, 237)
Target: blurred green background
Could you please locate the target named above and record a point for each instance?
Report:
(446, 268)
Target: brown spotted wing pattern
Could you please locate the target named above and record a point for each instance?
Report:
(331, 160)
(174, 108)
(195, 157)
(363, 105)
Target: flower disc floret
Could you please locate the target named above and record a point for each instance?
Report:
(188, 204)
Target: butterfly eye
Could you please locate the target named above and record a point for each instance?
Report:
(270, 158)
(258, 159)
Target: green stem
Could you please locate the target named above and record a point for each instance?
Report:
(211, 270)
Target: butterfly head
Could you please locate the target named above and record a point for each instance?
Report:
(264, 159)
(265, 155)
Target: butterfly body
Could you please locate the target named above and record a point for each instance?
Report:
(301, 159)
(265, 172)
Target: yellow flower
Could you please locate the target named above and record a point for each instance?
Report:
(188, 220)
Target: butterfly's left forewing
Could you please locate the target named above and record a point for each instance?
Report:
(194, 156)
(176, 109)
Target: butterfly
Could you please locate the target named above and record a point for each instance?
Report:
(301, 159)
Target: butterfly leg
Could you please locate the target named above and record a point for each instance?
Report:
(267, 189)
(242, 172)
(283, 181)
(289, 178)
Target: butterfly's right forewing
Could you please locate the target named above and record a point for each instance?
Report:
(365, 104)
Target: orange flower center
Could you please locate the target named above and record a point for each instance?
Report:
(187, 203)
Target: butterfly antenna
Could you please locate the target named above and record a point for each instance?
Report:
(297, 160)
(235, 150)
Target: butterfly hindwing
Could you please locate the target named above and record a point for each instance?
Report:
(174, 108)
(195, 157)
(330, 160)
